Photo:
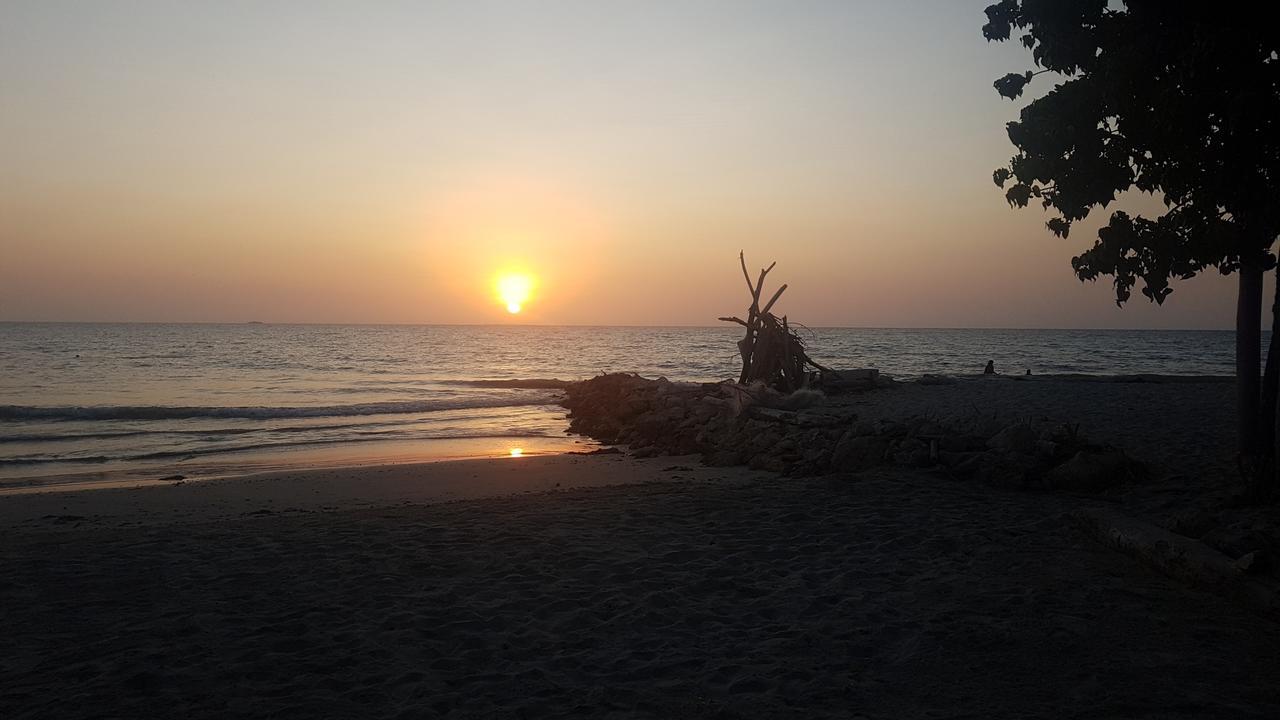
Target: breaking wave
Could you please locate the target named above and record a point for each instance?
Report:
(165, 412)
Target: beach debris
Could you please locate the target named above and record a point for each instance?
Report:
(1182, 558)
(772, 352)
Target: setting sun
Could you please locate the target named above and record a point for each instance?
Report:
(514, 290)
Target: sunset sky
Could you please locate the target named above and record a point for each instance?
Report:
(384, 162)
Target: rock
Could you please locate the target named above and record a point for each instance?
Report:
(887, 426)
(659, 417)
(723, 458)
(1193, 523)
(1089, 472)
(708, 436)
(963, 465)
(817, 457)
(917, 456)
(1046, 448)
(1006, 469)
(1239, 539)
(765, 439)
(598, 451)
(800, 399)
(703, 412)
(684, 445)
(1017, 438)
(961, 443)
(1251, 563)
(850, 379)
(925, 426)
(767, 461)
(863, 427)
(858, 452)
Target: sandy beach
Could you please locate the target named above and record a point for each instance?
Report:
(607, 586)
(907, 361)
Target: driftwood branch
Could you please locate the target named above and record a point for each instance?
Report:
(769, 306)
(755, 294)
(746, 275)
(1180, 557)
(771, 351)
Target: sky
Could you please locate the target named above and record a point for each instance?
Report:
(384, 162)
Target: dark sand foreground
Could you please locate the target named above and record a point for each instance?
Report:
(696, 593)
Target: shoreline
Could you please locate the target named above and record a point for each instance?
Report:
(340, 489)
(356, 454)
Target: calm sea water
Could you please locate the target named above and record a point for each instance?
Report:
(80, 402)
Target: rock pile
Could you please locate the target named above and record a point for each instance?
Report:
(801, 434)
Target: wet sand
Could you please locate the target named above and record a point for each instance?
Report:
(690, 592)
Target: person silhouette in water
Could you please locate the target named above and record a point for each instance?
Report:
(991, 368)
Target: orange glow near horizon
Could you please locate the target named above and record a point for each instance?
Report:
(621, 195)
(514, 290)
(517, 452)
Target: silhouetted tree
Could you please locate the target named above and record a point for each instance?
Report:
(1181, 100)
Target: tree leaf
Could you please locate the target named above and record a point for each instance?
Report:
(1011, 85)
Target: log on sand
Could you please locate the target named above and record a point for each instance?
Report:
(1180, 557)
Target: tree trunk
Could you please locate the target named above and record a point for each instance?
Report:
(1248, 359)
(1269, 482)
(1265, 479)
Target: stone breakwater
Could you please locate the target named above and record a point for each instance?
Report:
(809, 433)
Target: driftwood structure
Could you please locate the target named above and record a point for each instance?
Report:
(772, 353)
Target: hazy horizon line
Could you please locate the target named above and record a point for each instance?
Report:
(601, 325)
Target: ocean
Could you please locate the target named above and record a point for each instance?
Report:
(137, 403)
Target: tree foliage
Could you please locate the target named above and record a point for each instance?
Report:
(1181, 100)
